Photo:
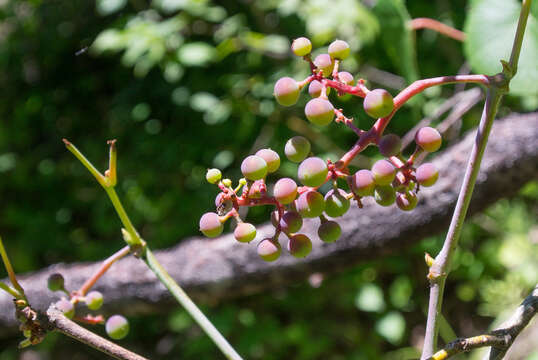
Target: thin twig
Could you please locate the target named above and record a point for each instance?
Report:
(439, 270)
(500, 339)
(67, 327)
(427, 23)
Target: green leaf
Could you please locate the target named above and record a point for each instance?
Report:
(196, 54)
(398, 39)
(490, 29)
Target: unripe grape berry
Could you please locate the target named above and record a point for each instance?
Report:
(390, 145)
(94, 300)
(55, 282)
(339, 49)
(336, 203)
(310, 204)
(312, 172)
(362, 183)
(426, 174)
(286, 91)
(285, 191)
(329, 231)
(297, 149)
(299, 245)
(315, 87)
(66, 307)
(346, 78)
(117, 327)
(384, 195)
(271, 158)
(383, 172)
(407, 201)
(301, 46)
(213, 176)
(325, 63)
(319, 111)
(428, 139)
(378, 103)
(269, 249)
(210, 225)
(245, 232)
(291, 222)
(254, 167)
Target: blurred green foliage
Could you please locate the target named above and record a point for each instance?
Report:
(187, 84)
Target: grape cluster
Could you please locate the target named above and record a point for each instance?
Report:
(390, 180)
(116, 326)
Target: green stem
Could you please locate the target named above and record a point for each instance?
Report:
(134, 237)
(9, 290)
(10, 272)
(441, 267)
(190, 306)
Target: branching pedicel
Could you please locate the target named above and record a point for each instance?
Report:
(393, 179)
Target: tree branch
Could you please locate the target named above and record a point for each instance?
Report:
(60, 323)
(500, 339)
(211, 270)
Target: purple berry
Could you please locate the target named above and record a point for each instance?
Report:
(56, 282)
(426, 174)
(117, 327)
(254, 167)
(286, 91)
(362, 183)
(269, 249)
(383, 172)
(291, 222)
(315, 87)
(245, 232)
(428, 139)
(285, 191)
(346, 78)
(312, 172)
(378, 103)
(210, 225)
(310, 204)
(325, 63)
(319, 111)
(271, 158)
(390, 145)
(407, 201)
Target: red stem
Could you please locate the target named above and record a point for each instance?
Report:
(426, 23)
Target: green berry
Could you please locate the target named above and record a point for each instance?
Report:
(329, 231)
(297, 149)
(210, 225)
(301, 46)
(339, 49)
(319, 111)
(312, 172)
(315, 87)
(407, 201)
(336, 203)
(384, 195)
(310, 204)
(378, 103)
(117, 327)
(245, 232)
(299, 245)
(213, 176)
(291, 222)
(254, 167)
(271, 158)
(94, 300)
(269, 249)
(286, 91)
(56, 282)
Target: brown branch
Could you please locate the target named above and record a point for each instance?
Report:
(500, 339)
(214, 269)
(60, 323)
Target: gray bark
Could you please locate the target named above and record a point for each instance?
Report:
(214, 269)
